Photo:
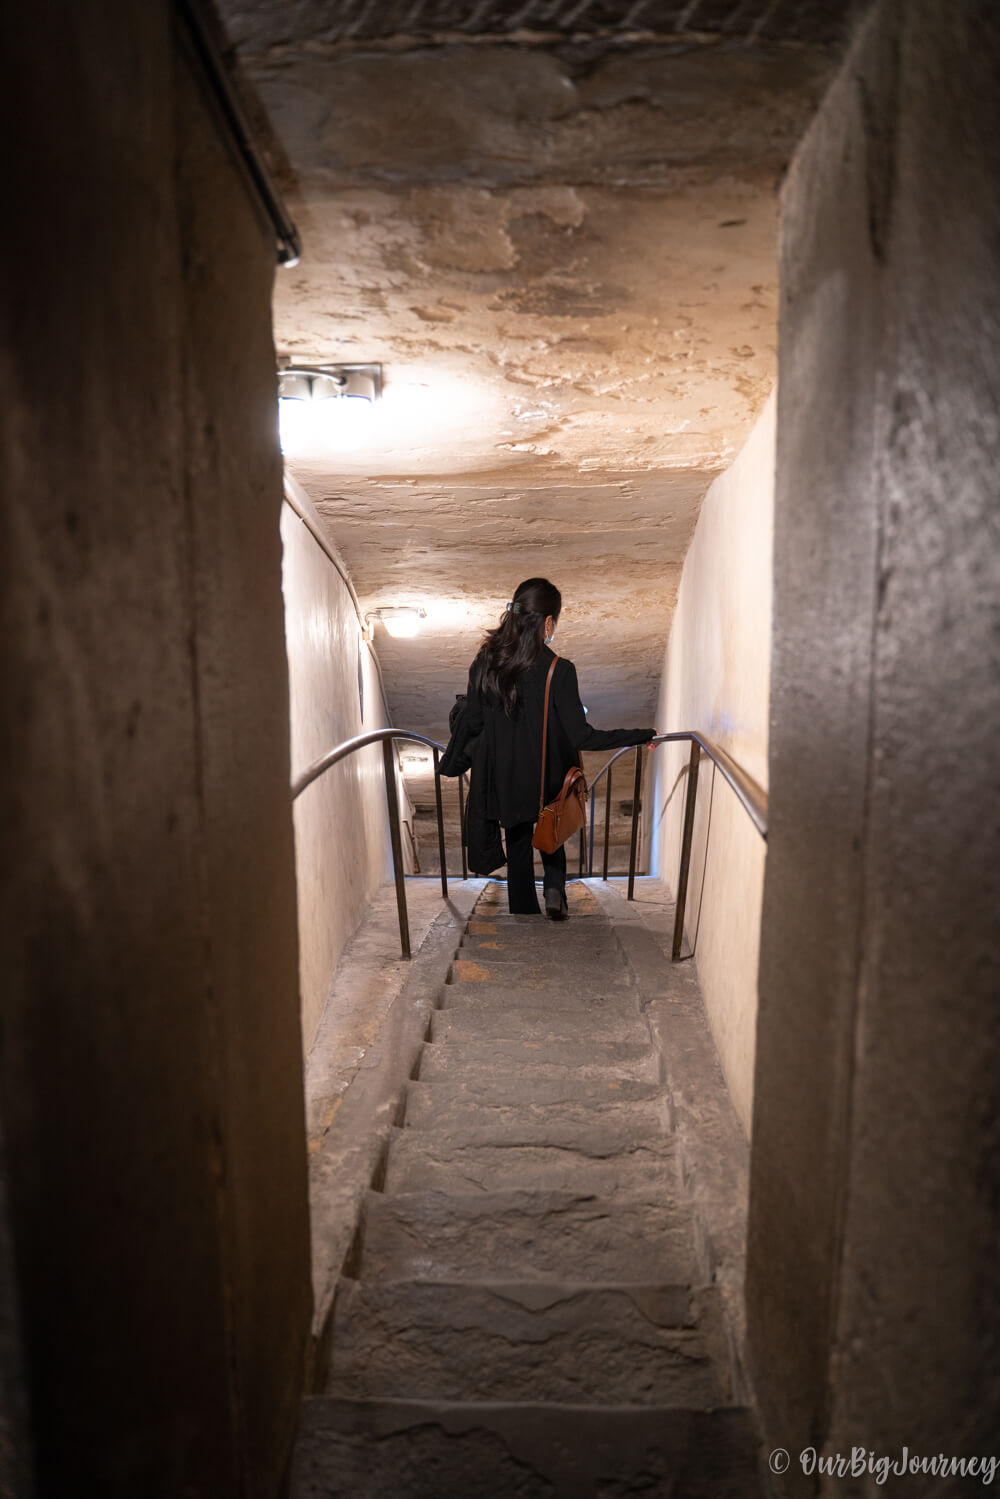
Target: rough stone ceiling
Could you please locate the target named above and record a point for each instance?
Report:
(554, 225)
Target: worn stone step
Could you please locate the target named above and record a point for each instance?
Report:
(526, 1235)
(510, 946)
(436, 1158)
(489, 923)
(483, 967)
(580, 998)
(511, 1089)
(537, 973)
(438, 1450)
(547, 1342)
(585, 1123)
(551, 1058)
(536, 1024)
(558, 940)
(593, 922)
(351, 1449)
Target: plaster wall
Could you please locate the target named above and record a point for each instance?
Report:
(151, 1067)
(716, 679)
(872, 1293)
(342, 851)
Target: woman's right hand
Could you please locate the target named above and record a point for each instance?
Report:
(650, 743)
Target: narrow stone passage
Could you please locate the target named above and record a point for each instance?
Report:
(525, 1314)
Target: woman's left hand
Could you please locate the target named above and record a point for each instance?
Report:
(650, 743)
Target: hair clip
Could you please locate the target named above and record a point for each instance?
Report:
(514, 607)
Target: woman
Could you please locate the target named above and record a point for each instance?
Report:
(505, 704)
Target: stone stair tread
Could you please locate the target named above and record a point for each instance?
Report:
(536, 1023)
(507, 1056)
(443, 1158)
(507, 955)
(351, 1449)
(540, 973)
(567, 1122)
(561, 1342)
(602, 999)
(510, 947)
(558, 941)
(524, 1234)
(531, 1316)
(483, 924)
(506, 1089)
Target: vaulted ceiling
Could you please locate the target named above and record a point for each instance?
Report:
(554, 225)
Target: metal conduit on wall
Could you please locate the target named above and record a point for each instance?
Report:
(201, 33)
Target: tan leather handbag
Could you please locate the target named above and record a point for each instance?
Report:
(560, 818)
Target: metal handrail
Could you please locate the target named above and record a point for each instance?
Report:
(752, 797)
(385, 737)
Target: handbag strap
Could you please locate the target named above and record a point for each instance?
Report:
(545, 732)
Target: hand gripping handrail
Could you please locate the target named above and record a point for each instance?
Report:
(751, 796)
(385, 737)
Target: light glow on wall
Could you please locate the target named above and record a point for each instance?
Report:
(416, 764)
(337, 424)
(428, 408)
(417, 412)
(401, 621)
(326, 409)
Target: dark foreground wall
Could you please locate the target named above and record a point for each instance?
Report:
(872, 1286)
(151, 1073)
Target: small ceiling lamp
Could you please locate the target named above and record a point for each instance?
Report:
(402, 622)
(326, 408)
(415, 765)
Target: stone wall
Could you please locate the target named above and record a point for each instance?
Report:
(151, 1058)
(872, 1289)
(342, 851)
(744, 21)
(716, 679)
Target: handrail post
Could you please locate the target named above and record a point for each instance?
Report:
(687, 838)
(392, 801)
(636, 791)
(461, 825)
(607, 822)
(440, 812)
(583, 855)
(751, 796)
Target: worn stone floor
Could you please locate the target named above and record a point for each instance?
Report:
(540, 1296)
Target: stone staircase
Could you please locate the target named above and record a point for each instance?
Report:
(523, 1313)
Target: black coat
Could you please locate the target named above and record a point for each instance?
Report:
(467, 751)
(512, 746)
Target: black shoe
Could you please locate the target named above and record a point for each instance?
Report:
(556, 908)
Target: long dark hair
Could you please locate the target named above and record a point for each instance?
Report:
(509, 650)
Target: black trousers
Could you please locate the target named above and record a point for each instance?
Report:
(521, 897)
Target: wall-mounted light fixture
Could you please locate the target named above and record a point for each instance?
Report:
(326, 407)
(401, 621)
(416, 765)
